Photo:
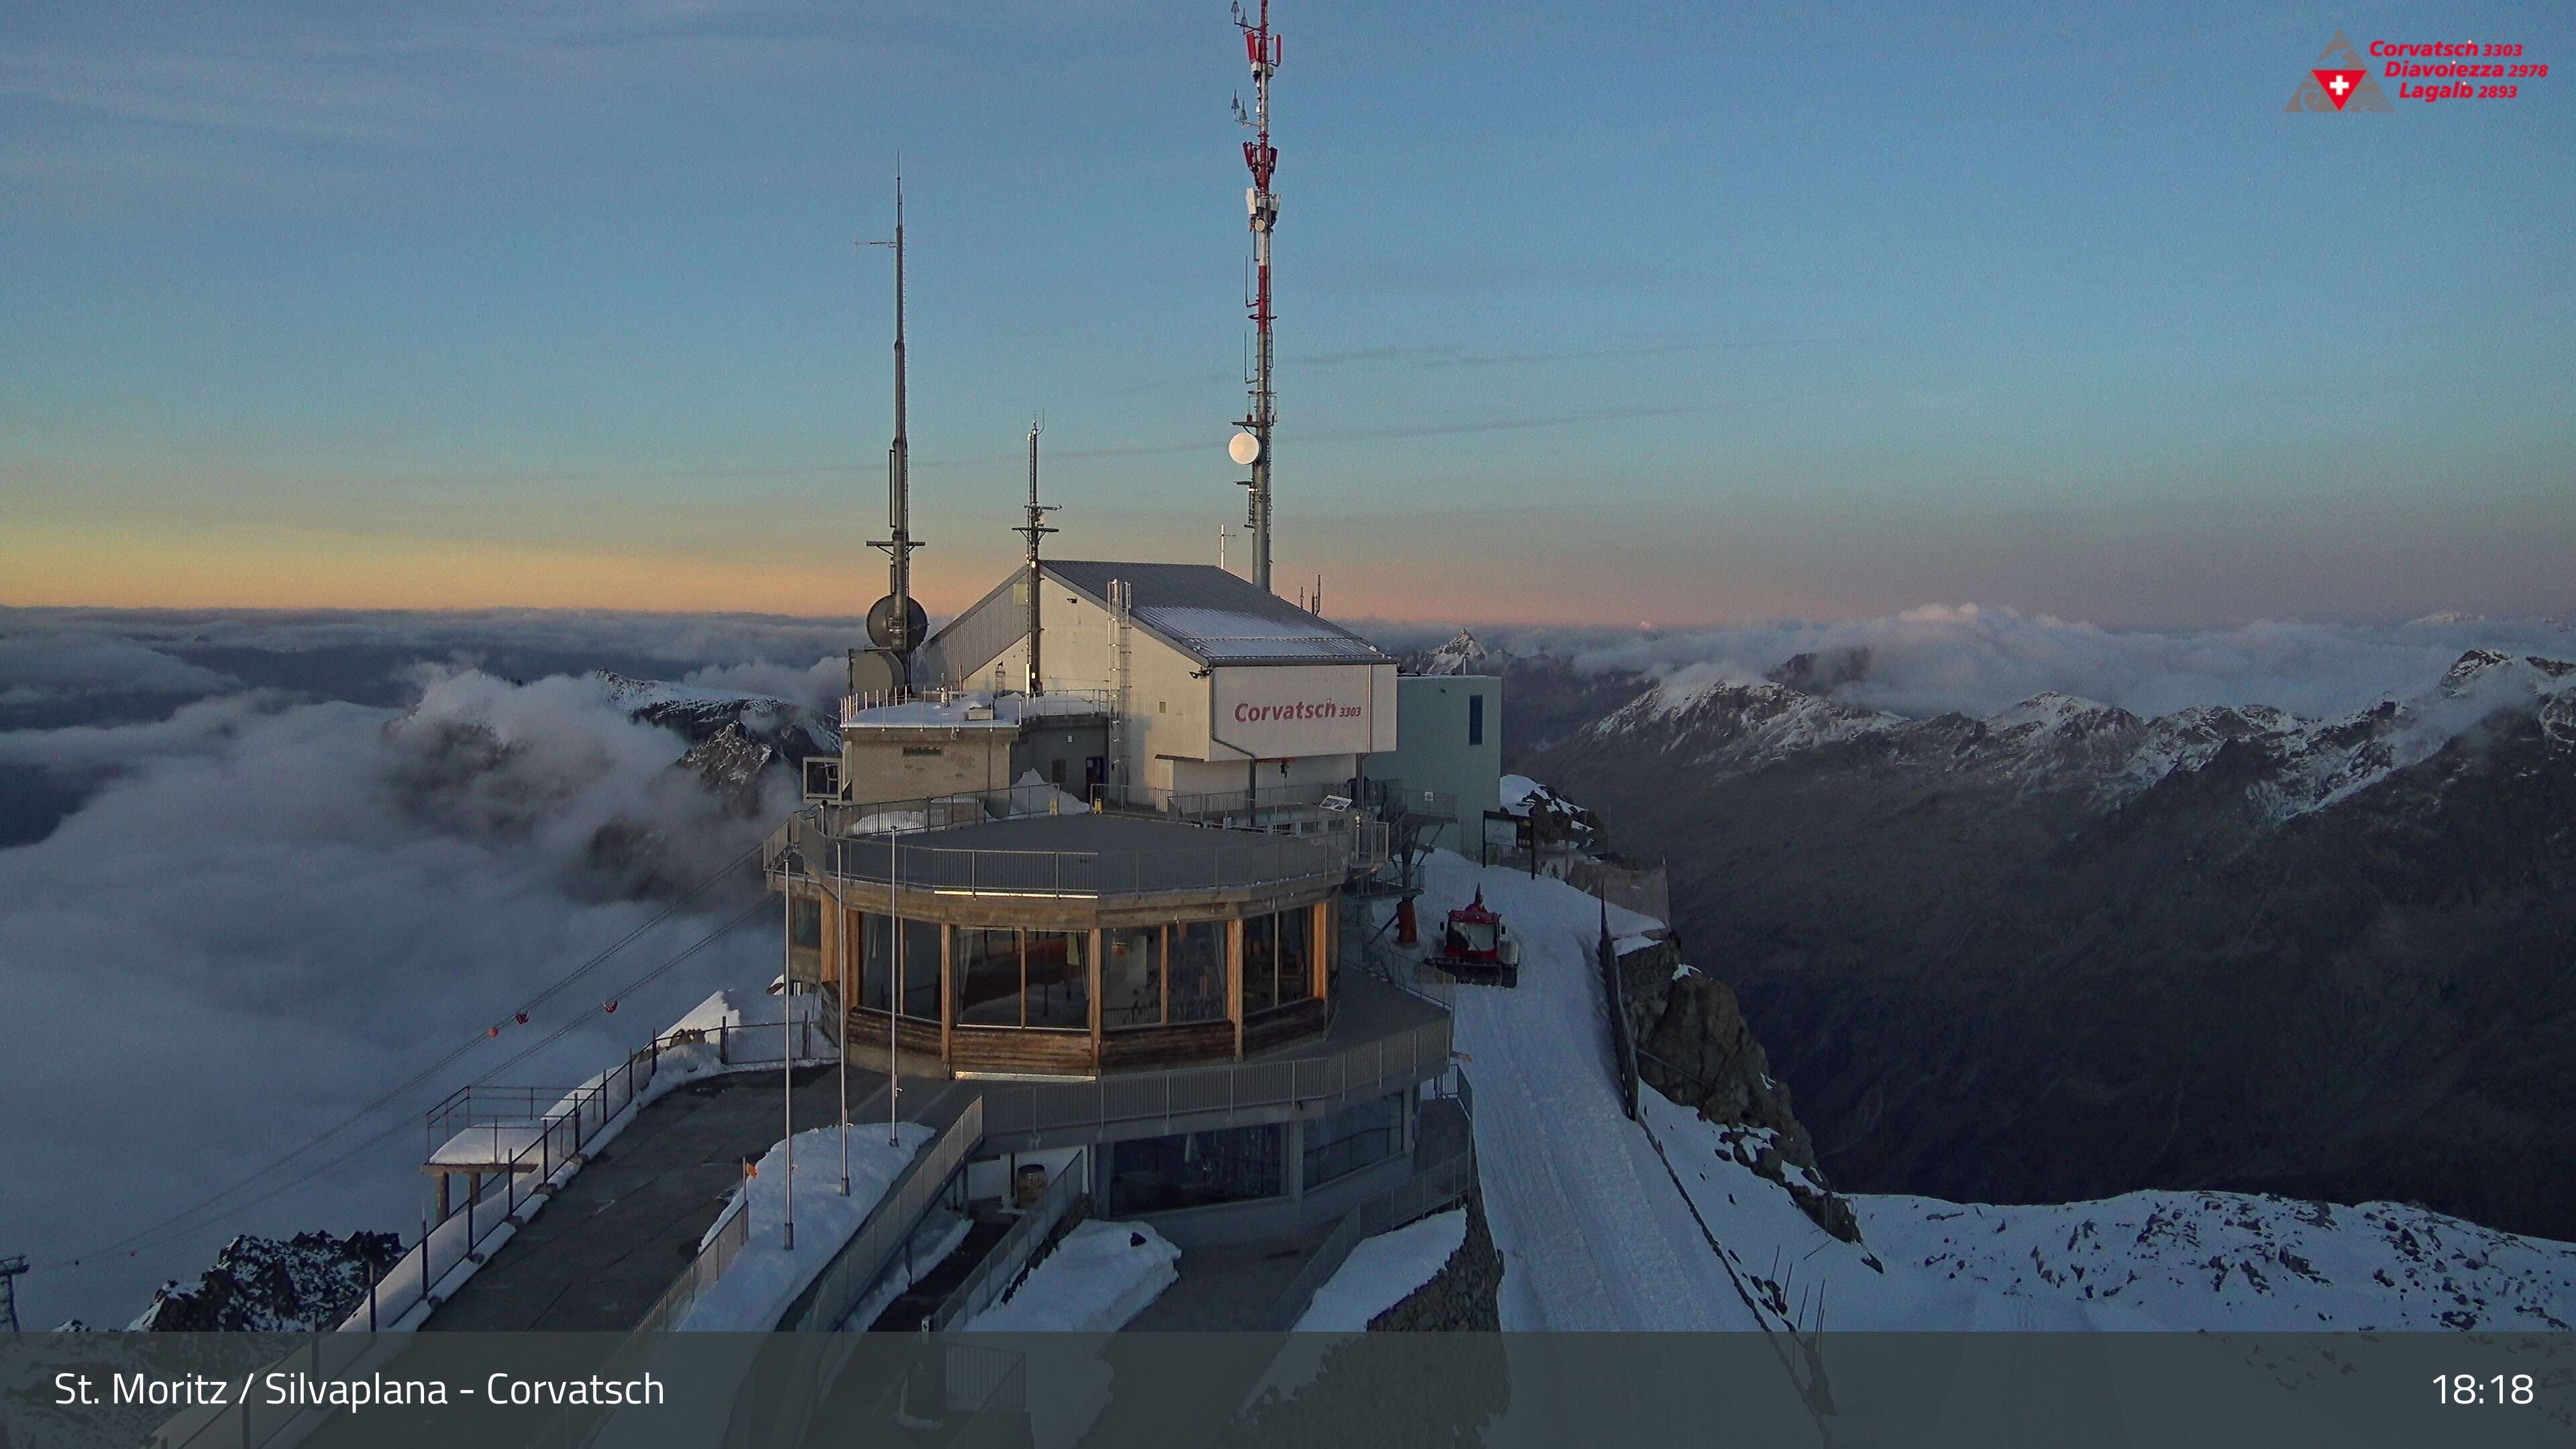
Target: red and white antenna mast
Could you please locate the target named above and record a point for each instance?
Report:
(1261, 48)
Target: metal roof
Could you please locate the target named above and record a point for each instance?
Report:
(1217, 616)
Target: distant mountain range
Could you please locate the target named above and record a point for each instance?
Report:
(2063, 951)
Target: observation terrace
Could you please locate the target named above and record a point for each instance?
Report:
(1026, 932)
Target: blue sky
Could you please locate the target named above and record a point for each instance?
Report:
(1590, 314)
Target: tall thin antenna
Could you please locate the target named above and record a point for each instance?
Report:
(1033, 530)
(895, 624)
(1261, 48)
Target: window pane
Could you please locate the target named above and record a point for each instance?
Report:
(805, 923)
(1353, 1138)
(1059, 990)
(1296, 956)
(1158, 1174)
(1198, 971)
(1475, 719)
(876, 960)
(988, 976)
(921, 970)
(1260, 963)
(1131, 976)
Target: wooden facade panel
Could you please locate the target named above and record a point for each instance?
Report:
(1011, 1049)
(1168, 1046)
(1277, 1028)
(868, 1028)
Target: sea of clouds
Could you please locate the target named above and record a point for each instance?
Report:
(239, 910)
(257, 869)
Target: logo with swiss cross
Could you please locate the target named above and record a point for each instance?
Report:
(2340, 80)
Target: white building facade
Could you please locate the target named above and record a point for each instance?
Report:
(1214, 685)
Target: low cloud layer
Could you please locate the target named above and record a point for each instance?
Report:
(275, 907)
(1977, 660)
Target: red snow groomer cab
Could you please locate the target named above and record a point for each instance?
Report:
(1476, 947)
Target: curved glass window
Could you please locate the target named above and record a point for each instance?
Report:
(1198, 971)
(1131, 976)
(1057, 989)
(986, 964)
(1278, 959)
(1296, 955)
(920, 980)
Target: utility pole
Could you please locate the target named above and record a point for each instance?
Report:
(894, 977)
(10, 1268)
(841, 1025)
(1261, 48)
(786, 1035)
(1033, 530)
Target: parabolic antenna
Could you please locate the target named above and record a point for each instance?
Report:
(873, 671)
(1244, 448)
(881, 620)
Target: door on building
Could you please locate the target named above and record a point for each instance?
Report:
(1095, 773)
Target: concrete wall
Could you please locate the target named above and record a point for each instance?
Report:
(1433, 753)
(912, 764)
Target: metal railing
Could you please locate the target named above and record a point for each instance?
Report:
(889, 1225)
(990, 1384)
(1067, 1198)
(951, 871)
(535, 1145)
(865, 845)
(1359, 1070)
(716, 1252)
(1020, 706)
(1432, 1186)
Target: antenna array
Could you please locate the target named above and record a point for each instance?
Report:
(1261, 49)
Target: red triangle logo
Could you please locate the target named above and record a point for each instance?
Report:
(2339, 84)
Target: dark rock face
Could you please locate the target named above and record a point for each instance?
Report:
(1694, 1047)
(2064, 953)
(263, 1285)
(1465, 1296)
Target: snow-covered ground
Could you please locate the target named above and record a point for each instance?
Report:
(1593, 1234)
(766, 1275)
(1101, 1275)
(1381, 1271)
(1597, 1233)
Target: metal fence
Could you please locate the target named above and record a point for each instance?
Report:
(864, 843)
(1432, 1186)
(990, 1385)
(1066, 1199)
(949, 871)
(861, 1260)
(716, 1253)
(1359, 1070)
(1021, 706)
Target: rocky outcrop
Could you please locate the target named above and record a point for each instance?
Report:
(729, 763)
(1694, 1046)
(1464, 1296)
(263, 1285)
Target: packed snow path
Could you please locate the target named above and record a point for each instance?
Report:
(1594, 1234)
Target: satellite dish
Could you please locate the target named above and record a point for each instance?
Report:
(876, 672)
(881, 620)
(1244, 448)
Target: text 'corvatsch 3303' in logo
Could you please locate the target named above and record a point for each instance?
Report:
(2340, 81)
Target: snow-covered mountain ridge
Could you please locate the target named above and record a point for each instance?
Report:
(2058, 742)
